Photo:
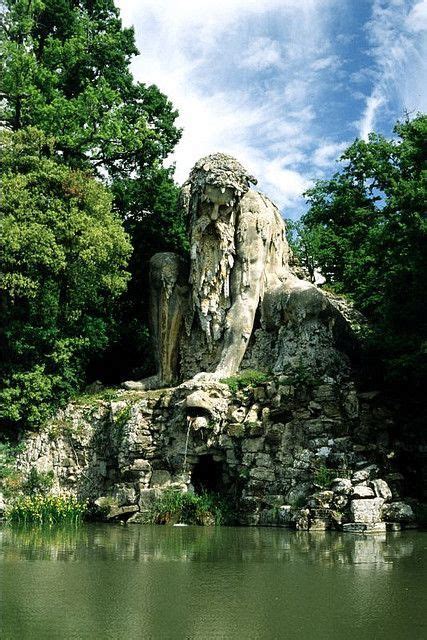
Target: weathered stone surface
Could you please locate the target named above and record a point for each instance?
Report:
(367, 511)
(124, 493)
(160, 478)
(362, 491)
(366, 473)
(122, 513)
(342, 485)
(398, 512)
(381, 488)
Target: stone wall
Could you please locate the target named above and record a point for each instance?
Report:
(293, 451)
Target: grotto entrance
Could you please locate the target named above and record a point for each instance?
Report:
(207, 475)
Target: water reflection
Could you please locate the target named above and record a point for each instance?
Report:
(101, 581)
(208, 544)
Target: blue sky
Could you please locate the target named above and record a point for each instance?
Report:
(283, 85)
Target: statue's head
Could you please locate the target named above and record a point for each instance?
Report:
(217, 183)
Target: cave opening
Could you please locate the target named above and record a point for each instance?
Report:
(208, 475)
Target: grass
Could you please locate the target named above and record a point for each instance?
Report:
(324, 476)
(244, 379)
(41, 509)
(189, 508)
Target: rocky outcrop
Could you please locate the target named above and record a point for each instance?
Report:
(288, 452)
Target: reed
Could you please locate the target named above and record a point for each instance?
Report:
(45, 509)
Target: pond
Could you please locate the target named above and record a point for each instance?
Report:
(108, 581)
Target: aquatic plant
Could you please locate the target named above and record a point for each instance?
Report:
(172, 507)
(45, 509)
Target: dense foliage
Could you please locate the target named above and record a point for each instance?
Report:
(366, 232)
(66, 71)
(63, 263)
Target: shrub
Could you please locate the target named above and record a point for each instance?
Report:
(38, 482)
(189, 508)
(244, 379)
(324, 476)
(42, 509)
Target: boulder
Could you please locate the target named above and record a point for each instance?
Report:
(160, 478)
(398, 512)
(122, 513)
(341, 486)
(381, 488)
(366, 511)
(362, 491)
(365, 474)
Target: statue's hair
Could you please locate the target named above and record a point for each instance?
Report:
(220, 170)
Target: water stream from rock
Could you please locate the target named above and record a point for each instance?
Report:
(184, 465)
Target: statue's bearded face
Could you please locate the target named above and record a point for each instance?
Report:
(217, 200)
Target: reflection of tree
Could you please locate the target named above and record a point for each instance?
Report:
(102, 581)
(210, 544)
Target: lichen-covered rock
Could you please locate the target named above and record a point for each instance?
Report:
(362, 491)
(381, 488)
(342, 486)
(398, 512)
(370, 471)
(367, 511)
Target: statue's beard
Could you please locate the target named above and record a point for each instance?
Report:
(212, 258)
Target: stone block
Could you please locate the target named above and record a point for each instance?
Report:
(147, 498)
(122, 513)
(124, 494)
(253, 445)
(263, 460)
(236, 429)
(381, 489)
(160, 477)
(362, 491)
(262, 473)
(366, 510)
(365, 474)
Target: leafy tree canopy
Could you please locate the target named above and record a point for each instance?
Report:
(63, 263)
(366, 231)
(66, 71)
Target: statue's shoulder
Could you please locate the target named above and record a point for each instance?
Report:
(256, 205)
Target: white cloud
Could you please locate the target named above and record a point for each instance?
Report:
(329, 62)
(373, 103)
(259, 79)
(200, 55)
(328, 152)
(417, 17)
(399, 51)
(261, 54)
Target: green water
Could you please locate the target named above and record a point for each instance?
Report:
(103, 581)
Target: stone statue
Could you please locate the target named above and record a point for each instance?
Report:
(203, 314)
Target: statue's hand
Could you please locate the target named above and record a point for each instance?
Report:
(146, 384)
(205, 376)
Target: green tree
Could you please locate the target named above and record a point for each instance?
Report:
(63, 258)
(371, 226)
(66, 71)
